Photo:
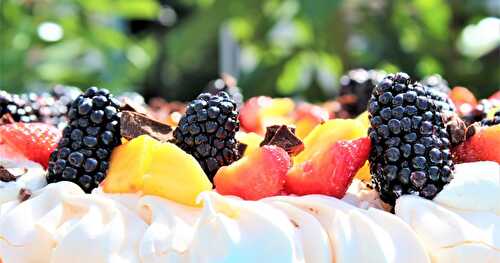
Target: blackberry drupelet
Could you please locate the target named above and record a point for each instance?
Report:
(84, 150)
(355, 89)
(19, 108)
(411, 147)
(436, 82)
(207, 131)
(227, 84)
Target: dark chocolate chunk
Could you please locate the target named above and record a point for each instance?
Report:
(456, 128)
(134, 124)
(284, 137)
(241, 148)
(129, 105)
(5, 175)
(471, 130)
(6, 119)
(24, 194)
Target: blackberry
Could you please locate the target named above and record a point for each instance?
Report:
(436, 82)
(480, 111)
(355, 89)
(411, 153)
(227, 84)
(19, 108)
(83, 152)
(46, 108)
(493, 121)
(207, 131)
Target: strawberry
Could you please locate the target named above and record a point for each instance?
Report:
(495, 96)
(482, 146)
(329, 172)
(250, 118)
(463, 98)
(260, 174)
(36, 141)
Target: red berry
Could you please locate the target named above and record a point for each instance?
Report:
(250, 118)
(331, 171)
(258, 175)
(495, 96)
(36, 141)
(482, 146)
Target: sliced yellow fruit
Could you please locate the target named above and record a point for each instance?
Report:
(175, 175)
(129, 162)
(251, 139)
(327, 133)
(145, 165)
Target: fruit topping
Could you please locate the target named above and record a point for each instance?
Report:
(329, 171)
(284, 137)
(250, 140)
(83, 152)
(35, 141)
(259, 112)
(479, 113)
(17, 107)
(494, 120)
(150, 167)
(207, 131)
(464, 99)
(260, 174)
(134, 124)
(411, 146)
(481, 145)
(307, 116)
(326, 134)
(356, 87)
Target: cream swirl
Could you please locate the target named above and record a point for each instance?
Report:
(462, 224)
(61, 223)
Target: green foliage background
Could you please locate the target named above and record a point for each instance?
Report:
(288, 47)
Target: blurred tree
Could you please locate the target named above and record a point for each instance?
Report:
(288, 47)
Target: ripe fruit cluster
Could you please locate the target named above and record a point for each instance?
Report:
(207, 131)
(411, 153)
(83, 153)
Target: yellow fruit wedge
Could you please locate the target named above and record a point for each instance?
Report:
(364, 173)
(363, 118)
(129, 162)
(154, 168)
(175, 175)
(251, 139)
(327, 133)
(304, 126)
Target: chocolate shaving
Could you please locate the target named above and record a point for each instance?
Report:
(6, 176)
(456, 128)
(472, 129)
(134, 124)
(129, 105)
(24, 194)
(241, 148)
(284, 137)
(6, 119)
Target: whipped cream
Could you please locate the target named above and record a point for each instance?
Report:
(462, 223)
(29, 175)
(60, 223)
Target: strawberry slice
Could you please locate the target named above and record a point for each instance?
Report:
(329, 172)
(260, 174)
(36, 141)
(482, 146)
